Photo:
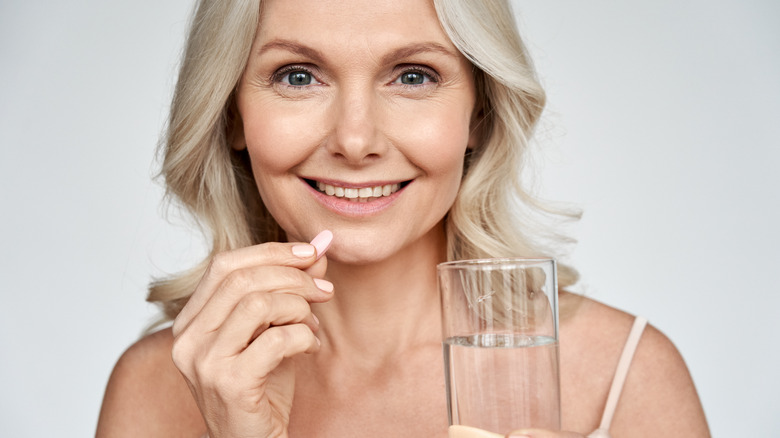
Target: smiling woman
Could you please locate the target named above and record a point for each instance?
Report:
(355, 125)
(391, 136)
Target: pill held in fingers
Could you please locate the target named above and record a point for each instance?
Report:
(322, 242)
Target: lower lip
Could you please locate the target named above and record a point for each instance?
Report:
(345, 207)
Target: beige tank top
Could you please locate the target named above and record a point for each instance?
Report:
(620, 378)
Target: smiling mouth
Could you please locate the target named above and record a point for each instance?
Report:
(357, 194)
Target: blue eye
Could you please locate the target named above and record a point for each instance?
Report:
(416, 76)
(295, 76)
(299, 78)
(412, 78)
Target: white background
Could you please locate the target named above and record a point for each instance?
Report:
(662, 125)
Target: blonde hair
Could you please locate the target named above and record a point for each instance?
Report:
(492, 216)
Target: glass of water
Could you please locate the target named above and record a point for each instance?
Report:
(500, 330)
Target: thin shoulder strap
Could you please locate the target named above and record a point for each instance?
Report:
(622, 371)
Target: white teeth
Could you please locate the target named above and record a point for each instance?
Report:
(362, 194)
(366, 192)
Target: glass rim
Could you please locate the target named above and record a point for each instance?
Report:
(495, 263)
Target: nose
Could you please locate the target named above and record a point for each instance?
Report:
(355, 135)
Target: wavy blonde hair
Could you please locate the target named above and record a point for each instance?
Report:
(493, 216)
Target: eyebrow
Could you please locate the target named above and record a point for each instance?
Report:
(293, 47)
(414, 49)
(399, 53)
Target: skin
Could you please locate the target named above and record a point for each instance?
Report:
(357, 124)
(262, 349)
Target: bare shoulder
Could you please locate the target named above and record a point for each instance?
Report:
(592, 336)
(659, 397)
(146, 395)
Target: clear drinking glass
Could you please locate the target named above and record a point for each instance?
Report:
(500, 330)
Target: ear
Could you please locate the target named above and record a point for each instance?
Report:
(236, 129)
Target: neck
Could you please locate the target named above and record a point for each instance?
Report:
(381, 308)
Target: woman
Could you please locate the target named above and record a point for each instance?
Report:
(389, 136)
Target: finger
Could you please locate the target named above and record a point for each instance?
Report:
(263, 279)
(225, 263)
(256, 313)
(266, 352)
(321, 242)
(299, 255)
(318, 269)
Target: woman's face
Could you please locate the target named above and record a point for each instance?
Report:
(356, 116)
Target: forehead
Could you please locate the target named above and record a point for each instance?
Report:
(351, 23)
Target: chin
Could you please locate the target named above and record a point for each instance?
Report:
(358, 253)
(372, 247)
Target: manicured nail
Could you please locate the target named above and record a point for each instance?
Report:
(322, 242)
(323, 285)
(303, 251)
(316, 320)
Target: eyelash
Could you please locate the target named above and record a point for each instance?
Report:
(427, 72)
(279, 75)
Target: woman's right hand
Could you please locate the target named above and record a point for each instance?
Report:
(250, 312)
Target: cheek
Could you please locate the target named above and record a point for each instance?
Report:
(437, 142)
(277, 140)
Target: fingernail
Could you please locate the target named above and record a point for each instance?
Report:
(303, 251)
(316, 320)
(323, 285)
(322, 242)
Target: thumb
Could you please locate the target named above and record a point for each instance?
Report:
(321, 243)
(318, 269)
